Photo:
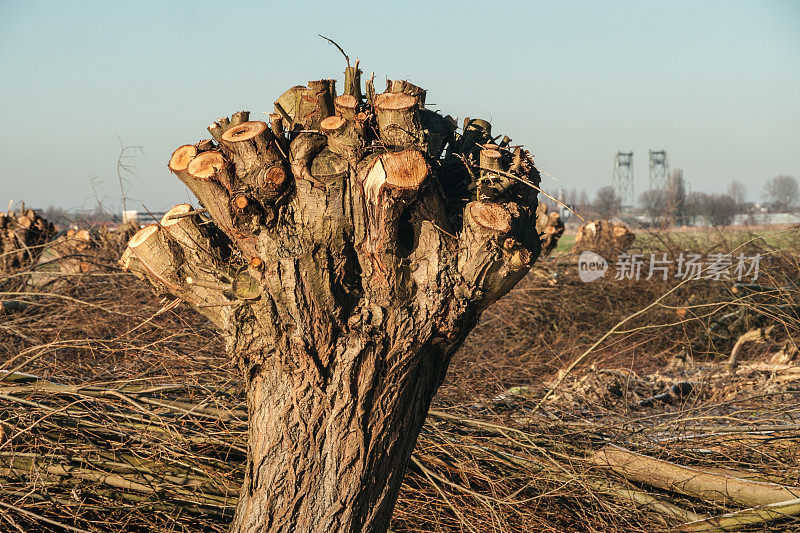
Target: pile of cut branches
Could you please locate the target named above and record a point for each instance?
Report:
(134, 420)
(158, 457)
(22, 235)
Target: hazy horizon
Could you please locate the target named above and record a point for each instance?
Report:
(714, 84)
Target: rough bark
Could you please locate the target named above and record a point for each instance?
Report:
(343, 138)
(344, 306)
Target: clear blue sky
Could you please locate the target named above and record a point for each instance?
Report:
(716, 84)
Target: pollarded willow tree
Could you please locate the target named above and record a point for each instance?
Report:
(355, 242)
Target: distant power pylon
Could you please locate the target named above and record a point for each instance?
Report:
(622, 180)
(659, 167)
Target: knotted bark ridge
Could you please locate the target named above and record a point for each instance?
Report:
(349, 256)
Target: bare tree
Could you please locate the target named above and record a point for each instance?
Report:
(583, 200)
(348, 260)
(781, 193)
(126, 167)
(676, 197)
(720, 209)
(607, 204)
(737, 192)
(656, 205)
(696, 204)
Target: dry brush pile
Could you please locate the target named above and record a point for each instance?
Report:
(606, 237)
(22, 235)
(134, 422)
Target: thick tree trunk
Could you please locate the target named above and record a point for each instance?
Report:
(343, 444)
(343, 279)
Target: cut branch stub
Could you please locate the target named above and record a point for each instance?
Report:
(272, 183)
(492, 182)
(248, 215)
(205, 145)
(477, 132)
(406, 87)
(175, 259)
(494, 255)
(520, 156)
(399, 124)
(343, 140)
(346, 107)
(212, 164)
(213, 184)
(221, 125)
(257, 158)
(239, 117)
(352, 82)
(307, 106)
(276, 124)
(151, 247)
(389, 184)
(201, 243)
(438, 131)
(182, 157)
(288, 105)
(179, 165)
(316, 103)
(490, 216)
(251, 146)
(405, 170)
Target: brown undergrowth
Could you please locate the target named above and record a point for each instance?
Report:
(130, 418)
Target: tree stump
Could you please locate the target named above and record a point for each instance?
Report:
(78, 252)
(343, 278)
(605, 237)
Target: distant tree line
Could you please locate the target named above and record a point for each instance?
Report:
(63, 218)
(676, 205)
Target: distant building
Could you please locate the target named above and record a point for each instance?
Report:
(766, 219)
(130, 215)
(148, 217)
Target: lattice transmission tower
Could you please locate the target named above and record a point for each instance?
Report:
(622, 180)
(659, 167)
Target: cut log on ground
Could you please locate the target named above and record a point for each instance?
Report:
(746, 518)
(691, 481)
(343, 280)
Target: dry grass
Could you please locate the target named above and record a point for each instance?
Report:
(136, 422)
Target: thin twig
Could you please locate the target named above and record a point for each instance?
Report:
(334, 43)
